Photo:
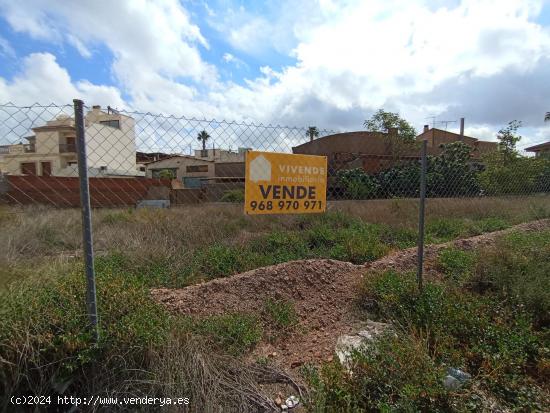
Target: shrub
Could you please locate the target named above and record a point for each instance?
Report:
(279, 246)
(492, 339)
(45, 343)
(281, 313)
(220, 260)
(518, 269)
(233, 195)
(234, 333)
(445, 229)
(514, 174)
(456, 264)
(395, 373)
(359, 243)
(400, 181)
(357, 183)
(449, 174)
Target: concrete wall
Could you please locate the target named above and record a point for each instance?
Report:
(180, 163)
(229, 169)
(220, 155)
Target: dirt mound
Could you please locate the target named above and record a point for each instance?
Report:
(319, 289)
(405, 260)
(322, 291)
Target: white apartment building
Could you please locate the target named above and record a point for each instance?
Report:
(110, 147)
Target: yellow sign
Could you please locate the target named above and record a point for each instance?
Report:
(280, 183)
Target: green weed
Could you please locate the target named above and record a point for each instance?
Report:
(234, 333)
(456, 264)
(281, 314)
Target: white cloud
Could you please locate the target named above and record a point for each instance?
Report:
(42, 80)
(6, 49)
(229, 58)
(152, 41)
(351, 57)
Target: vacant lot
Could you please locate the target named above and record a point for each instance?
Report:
(182, 246)
(46, 349)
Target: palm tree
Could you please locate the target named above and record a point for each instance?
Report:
(312, 132)
(547, 116)
(203, 136)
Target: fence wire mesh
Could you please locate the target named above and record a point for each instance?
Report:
(134, 157)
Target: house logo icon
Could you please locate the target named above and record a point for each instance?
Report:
(260, 169)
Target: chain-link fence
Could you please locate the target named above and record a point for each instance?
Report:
(59, 155)
(138, 158)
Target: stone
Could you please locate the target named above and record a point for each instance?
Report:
(296, 363)
(348, 343)
(451, 383)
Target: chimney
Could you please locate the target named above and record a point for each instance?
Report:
(96, 108)
(462, 129)
(426, 128)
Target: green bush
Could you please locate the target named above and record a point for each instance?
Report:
(395, 373)
(518, 269)
(280, 246)
(220, 260)
(233, 195)
(491, 338)
(359, 243)
(357, 184)
(517, 174)
(445, 229)
(281, 313)
(456, 264)
(234, 333)
(45, 343)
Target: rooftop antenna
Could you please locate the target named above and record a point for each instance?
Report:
(433, 118)
(111, 110)
(446, 122)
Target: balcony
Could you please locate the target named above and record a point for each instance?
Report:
(29, 148)
(67, 148)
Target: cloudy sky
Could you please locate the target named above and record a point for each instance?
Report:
(310, 62)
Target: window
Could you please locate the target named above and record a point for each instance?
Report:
(111, 123)
(28, 168)
(166, 173)
(196, 168)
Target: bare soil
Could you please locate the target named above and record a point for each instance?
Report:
(323, 293)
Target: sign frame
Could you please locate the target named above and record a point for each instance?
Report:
(284, 183)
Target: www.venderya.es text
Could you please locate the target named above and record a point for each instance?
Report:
(98, 401)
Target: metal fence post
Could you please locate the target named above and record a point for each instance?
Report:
(421, 209)
(86, 215)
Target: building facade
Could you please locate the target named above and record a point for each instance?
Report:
(376, 151)
(110, 147)
(540, 150)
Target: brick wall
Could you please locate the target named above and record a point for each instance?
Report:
(65, 192)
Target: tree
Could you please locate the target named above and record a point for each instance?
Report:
(508, 138)
(382, 121)
(519, 175)
(357, 184)
(167, 174)
(450, 174)
(312, 132)
(203, 136)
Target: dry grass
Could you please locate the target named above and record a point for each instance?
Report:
(29, 234)
(212, 380)
(36, 231)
